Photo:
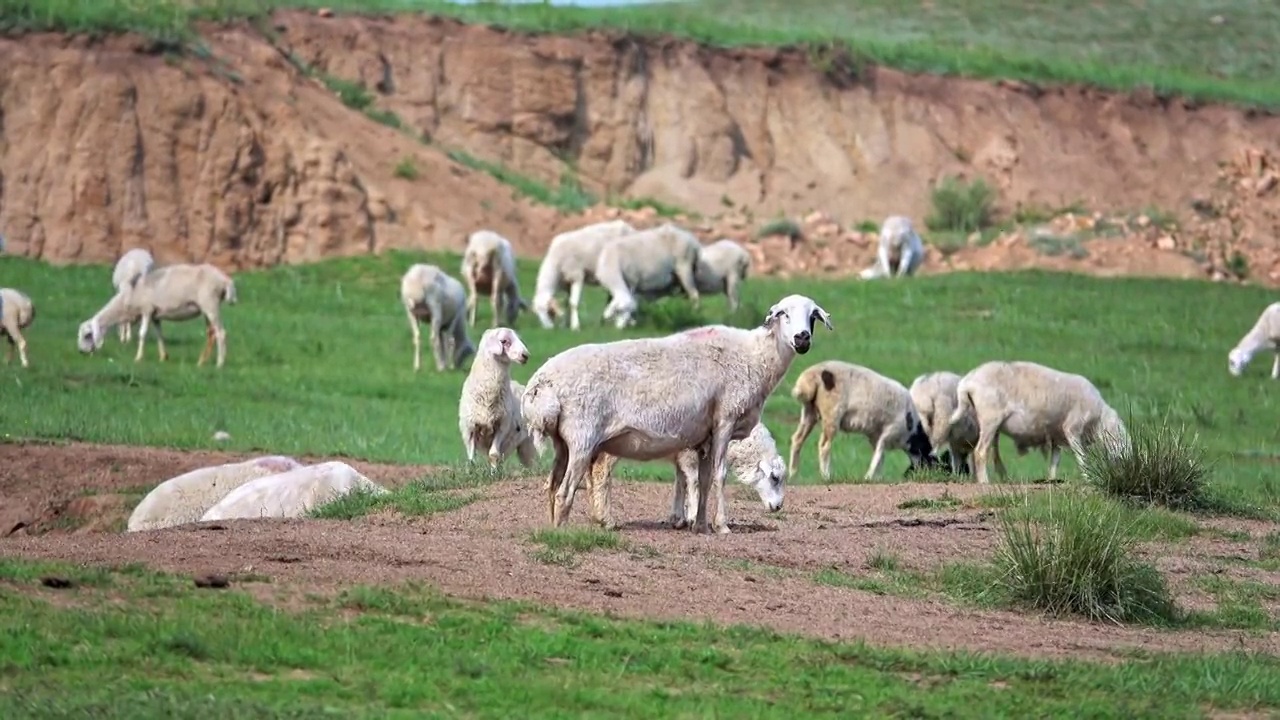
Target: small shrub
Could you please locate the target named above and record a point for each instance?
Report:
(671, 314)
(868, 226)
(1161, 466)
(1238, 265)
(352, 94)
(782, 226)
(1056, 245)
(406, 169)
(961, 207)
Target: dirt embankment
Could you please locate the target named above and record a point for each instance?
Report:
(242, 159)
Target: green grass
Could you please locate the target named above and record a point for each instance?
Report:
(133, 644)
(1172, 47)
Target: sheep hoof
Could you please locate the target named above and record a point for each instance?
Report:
(677, 522)
(721, 529)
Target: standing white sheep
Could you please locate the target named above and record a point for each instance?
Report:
(132, 265)
(722, 268)
(1034, 405)
(900, 251)
(17, 312)
(1264, 335)
(430, 295)
(647, 264)
(934, 395)
(489, 414)
(650, 398)
(174, 292)
(570, 263)
(489, 268)
(854, 399)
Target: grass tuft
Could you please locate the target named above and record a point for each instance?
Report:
(1162, 465)
(960, 206)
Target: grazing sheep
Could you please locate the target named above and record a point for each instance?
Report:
(173, 292)
(430, 295)
(1036, 406)
(131, 266)
(1264, 335)
(934, 395)
(722, 268)
(900, 252)
(570, 263)
(291, 494)
(649, 264)
(489, 411)
(17, 312)
(185, 498)
(650, 398)
(489, 268)
(854, 399)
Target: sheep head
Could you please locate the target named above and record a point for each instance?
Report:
(90, 335)
(503, 343)
(792, 318)
(769, 480)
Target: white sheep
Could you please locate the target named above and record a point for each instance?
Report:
(1035, 406)
(900, 251)
(722, 268)
(293, 493)
(855, 399)
(489, 268)
(570, 262)
(754, 461)
(174, 292)
(430, 295)
(647, 264)
(17, 312)
(1264, 335)
(131, 266)
(489, 411)
(934, 395)
(650, 398)
(185, 498)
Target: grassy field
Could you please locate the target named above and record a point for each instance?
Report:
(1207, 49)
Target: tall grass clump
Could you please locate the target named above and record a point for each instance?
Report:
(961, 207)
(1161, 465)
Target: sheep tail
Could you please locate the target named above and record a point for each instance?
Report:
(541, 410)
(964, 404)
(229, 292)
(806, 389)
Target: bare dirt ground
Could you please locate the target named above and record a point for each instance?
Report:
(762, 574)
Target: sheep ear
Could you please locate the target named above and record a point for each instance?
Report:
(773, 314)
(820, 314)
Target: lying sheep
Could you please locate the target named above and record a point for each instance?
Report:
(17, 312)
(173, 292)
(1035, 406)
(489, 411)
(854, 399)
(489, 268)
(1264, 335)
(570, 263)
(754, 461)
(900, 252)
(291, 494)
(185, 498)
(430, 295)
(650, 398)
(934, 395)
(647, 264)
(129, 268)
(722, 268)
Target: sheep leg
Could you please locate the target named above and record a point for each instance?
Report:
(164, 354)
(1054, 456)
(600, 481)
(999, 460)
(470, 442)
(556, 477)
(16, 339)
(495, 297)
(732, 290)
(495, 452)
(417, 338)
(882, 261)
(684, 501)
(877, 459)
(905, 262)
(1275, 366)
(685, 275)
(824, 449)
(437, 341)
(808, 420)
(142, 336)
(706, 467)
(122, 332)
(988, 434)
(579, 464)
(208, 343)
(471, 296)
(575, 298)
(719, 468)
(527, 452)
(220, 337)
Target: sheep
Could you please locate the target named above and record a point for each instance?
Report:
(185, 498)
(1264, 335)
(650, 398)
(1036, 406)
(489, 267)
(293, 493)
(855, 399)
(131, 266)
(173, 292)
(649, 264)
(934, 395)
(570, 262)
(900, 251)
(430, 295)
(489, 410)
(17, 312)
(754, 461)
(722, 268)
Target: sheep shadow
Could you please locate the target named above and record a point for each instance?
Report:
(663, 526)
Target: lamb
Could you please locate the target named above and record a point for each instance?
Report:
(17, 312)
(131, 266)
(430, 295)
(900, 252)
(934, 395)
(1035, 405)
(173, 292)
(185, 498)
(1264, 335)
(855, 399)
(489, 267)
(754, 461)
(293, 493)
(570, 263)
(489, 411)
(648, 264)
(650, 398)
(722, 268)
